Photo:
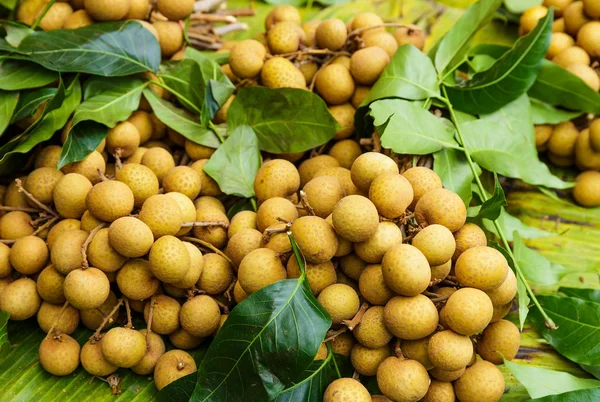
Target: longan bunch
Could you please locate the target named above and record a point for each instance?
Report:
(575, 43)
(566, 145)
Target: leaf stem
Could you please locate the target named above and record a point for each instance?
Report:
(485, 197)
(42, 15)
(212, 127)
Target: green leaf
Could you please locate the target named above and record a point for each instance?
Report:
(106, 49)
(536, 268)
(82, 140)
(504, 142)
(543, 113)
(585, 294)
(30, 101)
(109, 101)
(267, 342)
(519, 6)
(48, 125)
(492, 208)
(177, 76)
(234, 165)
(4, 342)
(583, 395)
(8, 104)
(21, 74)
(509, 224)
(557, 86)
(285, 120)
(457, 39)
(407, 128)
(181, 121)
(15, 33)
(510, 77)
(577, 337)
(452, 167)
(243, 204)
(9, 4)
(541, 382)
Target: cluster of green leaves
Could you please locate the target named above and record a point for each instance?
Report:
(486, 100)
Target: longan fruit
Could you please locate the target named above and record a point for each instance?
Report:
(183, 179)
(260, 268)
(418, 350)
(310, 31)
(170, 36)
(102, 255)
(506, 292)
(343, 344)
(343, 60)
(371, 332)
(481, 267)
(240, 221)
(446, 376)
(529, 19)
(355, 218)
(196, 267)
(346, 389)
(209, 202)
(93, 360)
(352, 265)
(319, 275)
(238, 293)
(136, 281)
(282, 12)
(221, 115)
(183, 340)
(422, 180)
(575, 17)
(366, 65)
(367, 360)
(470, 235)
(441, 271)
(246, 59)
(59, 355)
(344, 177)
(171, 366)
(110, 200)
(468, 311)
(50, 285)
(90, 167)
(86, 288)
(55, 17)
(594, 135)
(365, 20)
(587, 74)
(437, 243)
(200, 316)
(410, 318)
(283, 37)
(331, 34)
(405, 270)
(383, 40)
(571, 55)
(47, 317)
(69, 195)
(587, 189)
(41, 182)
(344, 116)
(141, 180)
(335, 84)
(559, 6)
(345, 151)
(14, 225)
(154, 350)
(310, 167)
(20, 299)
(169, 259)
(360, 94)
(309, 70)
(500, 340)
(88, 222)
(162, 215)
(28, 10)
(107, 10)
(66, 253)
(340, 301)
(123, 139)
(138, 10)
(123, 347)
(165, 317)
(387, 236)
(369, 166)
(373, 287)
(276, 178)
(586, 157)
(5, 266)
(441, 206)
(279, 72)
(559, 42)
(215, 235)
(137, 156)
(482, 382)
(410, 35)
(391, 193)
(29, 255)
(217, 274)
(450, 351)
(175, 10)
(241, 243)
(323, 193)
(159, 160)
(439, 391)
(208, 185)
(402, 380)
(130, 237)
(198, 151)
(272, 209)
(92, 318)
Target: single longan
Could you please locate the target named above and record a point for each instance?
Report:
(411, 317)
(335, 84)
(103, 10)
(175, 10)
(366, 65)
(183, 179)
(369, 166)
(482, 382)
(406, 270)
(170, 37)
(109, 200)
(587, 189)
(392, 194)
(346, 389)
(441, 206)
(331, 34)
(59, 356)
(355, 218)
(340, 301)
(482, 267)
(123, 139)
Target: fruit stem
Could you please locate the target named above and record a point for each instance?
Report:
(45, 226)
(305, 204)
(213, 128)
(128, 310)
(149, 326)
(331, 335)
(57, 320)
(387, 24)
(20, 209)
(84, 260)
(351, 324)
(96, 336)
(223, 224)
(549, 322)
(33, 199)
(208, 246)
(42, 15)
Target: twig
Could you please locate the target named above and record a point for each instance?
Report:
(439, 299)
(118, 163)
(351, 324)
(213, 18)
(206, 5)
(208, 246)
(33, 199)
(331, 335)
(205, 38)
(230, 290)
(224, 308)
(305, 204)
(45, 226)
(20, 209)
(149, 326)
(223, 224)
(102, 176)
(387, 24)
(57, 320)
(225, 29)
(84, 260)
(430, 294)
(128, 309)
(397, 348)
(96, 336)
(238, 12)
(270, 232)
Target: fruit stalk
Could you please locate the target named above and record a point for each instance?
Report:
(549, 322)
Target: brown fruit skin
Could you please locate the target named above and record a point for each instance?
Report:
(594, 134)
(559, 42)
(366, 65)
(591, 8)
(502, 336)
(171, 366)
(370, 165)
(170, 37)
(93, 360)
(241, 243)
(283, 37)
(437, 243)
(102, 255)
(418, 350)
(69, 195)
(422, 180)
(392, 194)
(123, 347)
(124, 138)
(169, 259)
(366, 360)
(5, 268)
(50, 285)
(563, 139)
(162, 214)
(182, 340)
(101, 10)
(59, 357)
(130, 237)
(283, 12)
(319, 276)
(209, 185)
(316, 238)
(506, 292)
(340, 301)
(574, 17)
(344, 116)
(14, 225)
(48, 313)
(135, 280)
(41, 182)
(402, 380)
(483, 268)
(86, 289)
(468, 311)
(470, 235)
(586, 74)
(29, 255)
(175, 10)
(482, 382)
(335, 84)
(371, 332)
(260, 268)
(217, 274)
(373, 287)
(355, 218)
(410, 317)
(246, 59)
(276, 178)
(279, 72)
(384, 40)
(110, 200)
(66, 254)
(447, 376)
(542, 135)
(412, 35)
(387, 236)
(346, 390)
(586, 157)
(159, 160)
(587, 189)
(450, 351)
(183, 179)
(405, 270)
(343, 175)
(331, 34)
(140, 179)
(343, 344)
(310, 167)
(92, 318)
(323, 194)
(360, 94)
(165, 317)
(200, 316)
(20, 299)
(439, 391)
(274, 208)
(443, 207)
(155, 350)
